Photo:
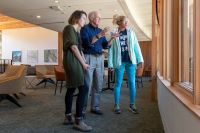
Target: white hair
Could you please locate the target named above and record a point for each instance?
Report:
(92, 15)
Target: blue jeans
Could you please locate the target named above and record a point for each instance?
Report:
(130, 72)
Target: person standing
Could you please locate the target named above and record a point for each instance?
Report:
(74, 66)
(94, 40)
(125, 53)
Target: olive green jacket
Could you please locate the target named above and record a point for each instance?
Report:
(73, 69)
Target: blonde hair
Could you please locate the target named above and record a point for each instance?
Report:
(115, 19)
(118, 18)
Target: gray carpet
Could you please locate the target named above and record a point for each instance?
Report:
(42, 112)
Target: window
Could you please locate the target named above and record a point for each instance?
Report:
(186, 44)
(183, 39)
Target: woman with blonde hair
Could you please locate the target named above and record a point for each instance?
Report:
(125, 53)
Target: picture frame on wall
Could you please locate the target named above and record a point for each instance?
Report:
(50, 55)
(16, 56)
(32, 56)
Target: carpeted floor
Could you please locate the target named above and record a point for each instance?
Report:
(42, 112)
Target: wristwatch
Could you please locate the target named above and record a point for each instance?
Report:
(97, 36)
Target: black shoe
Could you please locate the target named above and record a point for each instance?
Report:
(69, 120)
(97, 112)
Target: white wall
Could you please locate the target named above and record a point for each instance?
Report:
(23, 39)
(175, 116)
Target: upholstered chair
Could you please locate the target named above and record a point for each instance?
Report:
(139, 73)
(45, 73)
(12, 82)
(60, 76)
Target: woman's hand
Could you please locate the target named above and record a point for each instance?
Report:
(115, 35)
(140, 65)
(86, 66)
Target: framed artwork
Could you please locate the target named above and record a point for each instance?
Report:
(32, 56)
(50, 55)
(17, 56)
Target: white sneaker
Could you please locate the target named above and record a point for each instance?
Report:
(82, 127)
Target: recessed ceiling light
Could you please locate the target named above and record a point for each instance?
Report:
(60, 8)
(115, 10)
(38, 16)
(56, 1)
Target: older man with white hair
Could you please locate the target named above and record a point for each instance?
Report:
(93, 41)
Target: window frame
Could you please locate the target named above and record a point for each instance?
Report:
(196, 78)
(182, 48)
(175, 74)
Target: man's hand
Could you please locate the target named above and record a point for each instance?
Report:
(103, 32)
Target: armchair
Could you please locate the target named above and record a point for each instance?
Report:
(46, 73)
(12, 82)
(60, 76)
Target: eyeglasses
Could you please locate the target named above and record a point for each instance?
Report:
(123, 20)
(97, 18)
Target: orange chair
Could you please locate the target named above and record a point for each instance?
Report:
(147, 71)
(139, 73)
(60, 76)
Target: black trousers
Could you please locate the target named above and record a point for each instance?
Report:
(79, 101)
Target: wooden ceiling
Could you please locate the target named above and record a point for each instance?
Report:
(12, 23)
